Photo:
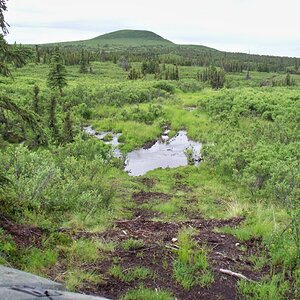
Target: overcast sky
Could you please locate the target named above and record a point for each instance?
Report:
(261, 26)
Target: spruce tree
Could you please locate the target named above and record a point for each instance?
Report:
(52, 118)
(3, 24)
(57, 75)
(287, 80)
(36, 100)
(37, 54)
(83, 64)
(176, 73)
(68, 128)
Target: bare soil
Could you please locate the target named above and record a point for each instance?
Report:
(158, 253)
(23, 235)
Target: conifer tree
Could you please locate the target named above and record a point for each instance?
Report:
(83, 64)
(3, 24)
(287, 80)
(57, 75)
(68, 128)
(176, 73)
(52, 118)
(36, 100)
(37, 55)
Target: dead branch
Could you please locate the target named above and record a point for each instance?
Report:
(234, 274)
(127, 221)
(172, 247)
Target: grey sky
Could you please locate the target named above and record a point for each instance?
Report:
(263, 26)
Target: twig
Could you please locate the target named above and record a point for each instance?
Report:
(234, 274)
(143, 249)
(226, 257)
(172, 248)
(215, 246)
(126, 221)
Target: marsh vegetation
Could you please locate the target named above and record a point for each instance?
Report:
(70, 212)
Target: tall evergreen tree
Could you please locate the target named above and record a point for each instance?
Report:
(83, 64)
(68, 128)
(57, 75)
(52, 118)
(3, 25)
(37, 55)
(36, 99)
(176, 73)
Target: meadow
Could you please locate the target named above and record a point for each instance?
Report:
(69, 211)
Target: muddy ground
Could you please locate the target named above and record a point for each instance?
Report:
(158, 252)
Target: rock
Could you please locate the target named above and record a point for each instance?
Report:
(19, 285)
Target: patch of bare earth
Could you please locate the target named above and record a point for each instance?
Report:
(159, 252)
(144, 197)
(22, 234)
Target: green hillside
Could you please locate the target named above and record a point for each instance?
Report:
(137, 45)
(122, 39)
(128, 39)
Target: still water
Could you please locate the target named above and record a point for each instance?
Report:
(165, 153)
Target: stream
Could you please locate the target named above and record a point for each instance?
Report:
(165, 153)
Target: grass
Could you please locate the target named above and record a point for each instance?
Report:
(131, 274)
(37, 261)
(147, 294)
(262, 222)
(191, 266)
(134, 134)
(132, 244)
(84, 250)
(274, 289)
(8, 247)
(167, 208)
(77, 278)
(198, 190)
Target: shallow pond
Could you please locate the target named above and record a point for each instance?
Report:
(165, 153)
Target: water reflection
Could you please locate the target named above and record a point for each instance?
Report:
(163, 154)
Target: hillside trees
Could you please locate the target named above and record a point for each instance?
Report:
(134, 74)
(124, 64)
(215, 77)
